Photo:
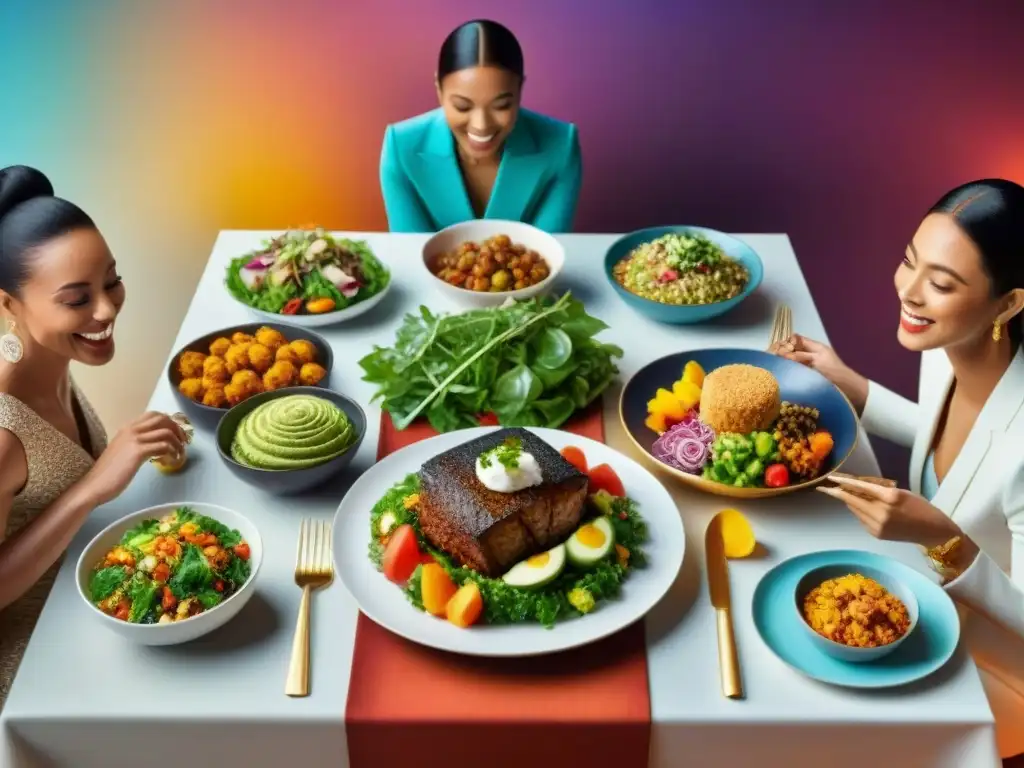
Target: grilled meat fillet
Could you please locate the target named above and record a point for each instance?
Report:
(490, 531)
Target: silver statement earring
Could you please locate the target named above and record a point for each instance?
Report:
(11, 348)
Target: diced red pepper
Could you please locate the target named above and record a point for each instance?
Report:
(291, 307)
(776, 476)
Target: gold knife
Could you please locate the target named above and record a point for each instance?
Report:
(718, 587)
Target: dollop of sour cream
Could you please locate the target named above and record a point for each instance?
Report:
(508, 469)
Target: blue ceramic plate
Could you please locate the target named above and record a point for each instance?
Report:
(926, 649)
(798, 383)
(687, 313)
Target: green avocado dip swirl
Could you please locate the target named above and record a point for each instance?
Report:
(292, 432)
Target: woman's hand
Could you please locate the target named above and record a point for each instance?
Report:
(825, 361)
(893, 514)
(150, 436)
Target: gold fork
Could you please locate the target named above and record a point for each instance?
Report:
(314, 568)
(782, 327)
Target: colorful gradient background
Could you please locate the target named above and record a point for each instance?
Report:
(838, 125)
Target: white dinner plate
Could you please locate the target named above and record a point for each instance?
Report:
(385, 603)
(327, 318)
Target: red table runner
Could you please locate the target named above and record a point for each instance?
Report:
(416, 706)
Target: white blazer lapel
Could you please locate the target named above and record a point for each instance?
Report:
(1003, 404)
(936, 379)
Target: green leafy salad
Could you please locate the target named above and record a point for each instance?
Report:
(571, 579)
(306, 272)
(530, 364)
(170, 569)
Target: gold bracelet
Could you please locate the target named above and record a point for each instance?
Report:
(942, 558)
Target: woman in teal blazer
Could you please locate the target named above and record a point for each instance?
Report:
(480, 155)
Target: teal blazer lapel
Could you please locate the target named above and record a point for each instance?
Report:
(516, 186)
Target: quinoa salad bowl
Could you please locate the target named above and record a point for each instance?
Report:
(739, 423)
(682, 275)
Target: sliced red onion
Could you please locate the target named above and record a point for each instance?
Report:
(685, 445)
(347, 285)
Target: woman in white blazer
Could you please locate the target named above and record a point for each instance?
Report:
(960, 287)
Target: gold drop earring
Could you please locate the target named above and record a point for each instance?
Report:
(11, 348)
(997, 331)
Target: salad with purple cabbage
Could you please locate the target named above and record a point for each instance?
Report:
(306, 272)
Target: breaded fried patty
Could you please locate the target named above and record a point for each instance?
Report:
(740, 398)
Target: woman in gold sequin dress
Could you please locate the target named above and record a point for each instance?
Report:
(60, 294)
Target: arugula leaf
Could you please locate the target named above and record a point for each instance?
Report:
(193, 574)
(106, 581)
(226, 536)
(142, 591)
(142, 533)
(530, 363)
(209, 598)
(238, 571)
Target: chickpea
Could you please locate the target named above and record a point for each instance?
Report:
(502, 241)
(501, 280)
(513, 262)
(481, 284)
(466, 262)
(485, 251)
(526, 261)
(538, 273)
(518, 274)
(519, 249)
(501, 257)
(487, 264)
(478, 269)
(457, 278)
(520, 284)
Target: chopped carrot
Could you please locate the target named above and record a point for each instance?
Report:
(436, 589)
(466, 605)
(576, 457)
(319, 306)
(821, 444)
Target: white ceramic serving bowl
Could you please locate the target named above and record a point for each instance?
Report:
(478, 230)
(889, 581)
(180, 631)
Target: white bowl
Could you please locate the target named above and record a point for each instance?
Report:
(327, 318)
(449, 238)
(179, 631)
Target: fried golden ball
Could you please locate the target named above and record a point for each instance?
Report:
(260, 357)
(304, 350)
(214, 369)
(241, 338)
(286, 354)
(237, 357)
(219, 346)
(192, 387)
(234, 394)
(270, 338)
(311, 374)
(248, 381)
(190, 364)
(281, 374)
(215, 397)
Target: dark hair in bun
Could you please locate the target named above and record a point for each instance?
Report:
(479, 43)
(991, 213)
(30, 216)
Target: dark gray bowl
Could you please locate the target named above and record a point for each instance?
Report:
(290, 481)
(205, 414)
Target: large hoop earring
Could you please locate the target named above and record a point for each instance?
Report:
(11, 348)
(997, 331)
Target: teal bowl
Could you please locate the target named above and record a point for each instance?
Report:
(684, 314)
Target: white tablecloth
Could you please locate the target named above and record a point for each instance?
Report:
(85, 698)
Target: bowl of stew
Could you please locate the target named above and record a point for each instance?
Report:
(485, 262)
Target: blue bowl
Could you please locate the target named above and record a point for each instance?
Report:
(884, 576)
(684, 314)
(798, 384)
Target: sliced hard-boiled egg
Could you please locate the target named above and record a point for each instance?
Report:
(538, 570)
(592, 542)
(387, 522)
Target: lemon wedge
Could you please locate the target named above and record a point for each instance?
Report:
(737, 534)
